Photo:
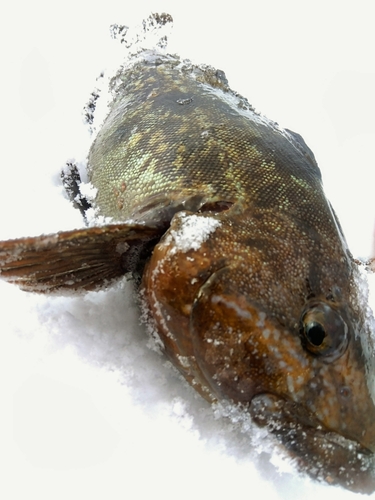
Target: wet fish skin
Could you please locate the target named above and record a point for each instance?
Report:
(264, 311)
(277, 254)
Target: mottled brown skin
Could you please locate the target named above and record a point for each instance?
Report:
(265, 311)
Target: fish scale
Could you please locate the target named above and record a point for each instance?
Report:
(206, 147)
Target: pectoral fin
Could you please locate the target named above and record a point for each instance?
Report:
(82, 259)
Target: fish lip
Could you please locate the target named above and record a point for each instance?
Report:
(338, 439)
(314, 449)
(276, 407)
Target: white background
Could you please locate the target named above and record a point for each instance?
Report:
(88, 411)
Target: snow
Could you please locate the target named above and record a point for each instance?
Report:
(193, 231)
(88, 410)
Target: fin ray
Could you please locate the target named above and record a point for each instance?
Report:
(79, 259)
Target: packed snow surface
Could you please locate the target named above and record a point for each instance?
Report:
(88, 410)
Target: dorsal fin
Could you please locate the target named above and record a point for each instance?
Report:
(81, 259)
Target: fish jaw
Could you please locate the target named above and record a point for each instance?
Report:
(324, 455)
(229, 345)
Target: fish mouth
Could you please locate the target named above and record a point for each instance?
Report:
(321, 453)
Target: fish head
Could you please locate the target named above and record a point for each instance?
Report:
(308, 384)
(298, 366)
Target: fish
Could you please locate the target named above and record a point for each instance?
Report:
(240, 262)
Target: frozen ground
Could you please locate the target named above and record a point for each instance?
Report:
(88, 411)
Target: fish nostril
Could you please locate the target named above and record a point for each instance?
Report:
(345, 392)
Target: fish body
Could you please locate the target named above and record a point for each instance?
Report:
(246, 275)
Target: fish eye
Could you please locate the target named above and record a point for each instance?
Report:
(315, 333)
(323, 331)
